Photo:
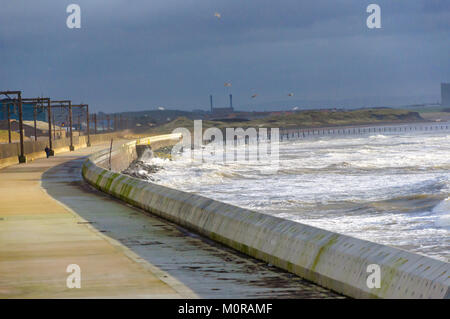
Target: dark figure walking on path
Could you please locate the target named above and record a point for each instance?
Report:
(47, 151)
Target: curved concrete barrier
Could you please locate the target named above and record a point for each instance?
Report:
(332, 260)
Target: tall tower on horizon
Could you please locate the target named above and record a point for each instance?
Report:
(211, 102)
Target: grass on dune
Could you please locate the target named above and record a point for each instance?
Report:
(4, 136)
(329, 118)
(304, 119)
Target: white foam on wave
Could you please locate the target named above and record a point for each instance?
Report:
(351, 169)
(442, 212)
(378, 136)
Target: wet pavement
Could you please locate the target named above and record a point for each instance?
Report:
(202, 266)
(40, 237)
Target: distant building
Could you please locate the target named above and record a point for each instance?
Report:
(27, 111)
(445, 94)
(221, 111)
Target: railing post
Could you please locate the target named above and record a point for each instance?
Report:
(71, 147)
(35, 124)
(87, 126)
(9, 123)
(95, 123)
(22, 158)
(49, 115)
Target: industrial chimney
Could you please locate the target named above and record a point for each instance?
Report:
(211, 102)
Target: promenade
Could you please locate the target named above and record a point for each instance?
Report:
(50, 218)
(40, 237)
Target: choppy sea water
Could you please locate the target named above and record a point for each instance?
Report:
(391, 188)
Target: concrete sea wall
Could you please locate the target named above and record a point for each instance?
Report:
(35, 149)
(332, 260)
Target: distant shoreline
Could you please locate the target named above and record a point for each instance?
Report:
(424, 122)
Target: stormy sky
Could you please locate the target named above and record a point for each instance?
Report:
(137, 55)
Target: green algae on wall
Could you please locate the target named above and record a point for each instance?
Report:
(317, 255)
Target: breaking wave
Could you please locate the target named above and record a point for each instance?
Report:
(388, 188)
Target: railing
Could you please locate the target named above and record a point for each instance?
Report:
(299, 133)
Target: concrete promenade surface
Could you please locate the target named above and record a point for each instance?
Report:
(50, 218)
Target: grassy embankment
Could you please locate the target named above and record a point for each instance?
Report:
(432, 113)
(304, 119)
(4, 136)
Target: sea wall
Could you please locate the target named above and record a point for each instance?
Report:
(332, 260)
(35, 149)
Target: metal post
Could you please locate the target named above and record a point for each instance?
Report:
(22, 158)
(9, 123)
(35, 124)
(95, 123)
(110, 151)
(66, 121)
(41, 101)
(4, 109)
(54, 127)
(71, 148)
(87, 126)
(49, 115)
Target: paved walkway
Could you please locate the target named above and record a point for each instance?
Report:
(50, 218)
(40, 237)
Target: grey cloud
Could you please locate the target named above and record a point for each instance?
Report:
(138, 54)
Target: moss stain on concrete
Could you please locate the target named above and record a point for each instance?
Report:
(324, 248)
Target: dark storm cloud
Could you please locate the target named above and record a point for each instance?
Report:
(141, 54)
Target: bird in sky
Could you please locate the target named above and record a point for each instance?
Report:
(291, 94)
(254, 95)
(217, 15)
(227, 84)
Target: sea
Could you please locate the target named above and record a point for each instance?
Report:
(390, 188)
